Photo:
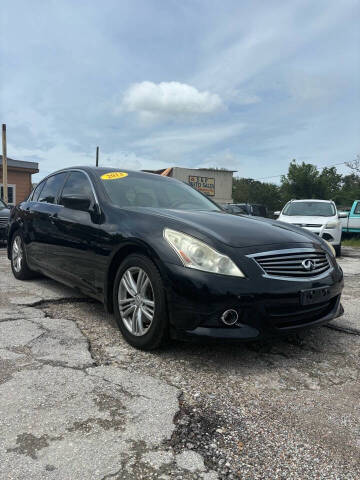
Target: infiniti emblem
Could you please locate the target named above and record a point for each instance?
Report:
(308, 264)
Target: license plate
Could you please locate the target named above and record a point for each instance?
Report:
(315, 295)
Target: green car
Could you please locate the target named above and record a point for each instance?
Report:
(351, 223)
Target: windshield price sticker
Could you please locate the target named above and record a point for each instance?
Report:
(113, 175)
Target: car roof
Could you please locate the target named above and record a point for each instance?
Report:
(98, 171)
(90, 168)
(312, 200)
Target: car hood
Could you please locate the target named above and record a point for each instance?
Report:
(234, 230)
(307, 219)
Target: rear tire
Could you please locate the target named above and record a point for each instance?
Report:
(337, 249)
(140, 303)
(19, 264)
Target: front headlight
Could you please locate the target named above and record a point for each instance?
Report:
(331, 225)
(198, 255)
(331, 247)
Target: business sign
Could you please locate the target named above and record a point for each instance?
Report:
(203, 184)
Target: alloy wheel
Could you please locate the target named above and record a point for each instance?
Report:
(17, 254)
(136, 301)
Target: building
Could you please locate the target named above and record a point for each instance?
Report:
(216, 184)
(19, 179)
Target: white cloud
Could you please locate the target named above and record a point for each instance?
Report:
(169, 99)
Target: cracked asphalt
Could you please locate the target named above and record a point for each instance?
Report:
(77, 402)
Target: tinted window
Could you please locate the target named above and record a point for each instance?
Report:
(51, 188)
(259, 211)
(357, 208)
(35, 195)
(77, 185)
(150, 190)
(309, 209)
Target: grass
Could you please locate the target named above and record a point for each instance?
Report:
(351, 241)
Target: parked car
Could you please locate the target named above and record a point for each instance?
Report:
(254, 209)
(4, 221)
(233, 209)
(318, 216)
(168, 261)
(350, 221)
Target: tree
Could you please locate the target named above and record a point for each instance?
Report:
(350, 190)
(302, 181)
(355, 164)
(247, 190)
(331, 182)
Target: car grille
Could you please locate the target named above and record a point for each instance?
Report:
(4, 221)
(311, 225)
(293, 263)
(287, 316)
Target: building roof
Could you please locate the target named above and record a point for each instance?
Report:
(166, 172)
(33, 166)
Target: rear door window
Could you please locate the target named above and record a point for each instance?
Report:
(51, 188)
(77, 184)
(357, 209)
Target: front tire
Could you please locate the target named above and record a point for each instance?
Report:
(140, 303)
(19, 264)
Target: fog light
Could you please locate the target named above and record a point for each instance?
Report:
(229, 317)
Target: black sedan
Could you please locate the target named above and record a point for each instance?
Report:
(4, 221)
(169, 261)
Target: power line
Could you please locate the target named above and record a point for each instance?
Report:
(281, 174)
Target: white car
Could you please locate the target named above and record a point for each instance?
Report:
(318, 216)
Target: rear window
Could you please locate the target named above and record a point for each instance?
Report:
(309, 209)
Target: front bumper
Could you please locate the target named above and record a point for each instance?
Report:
(266, 306)
(331, 235)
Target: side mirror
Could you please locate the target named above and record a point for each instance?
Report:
(277, 213)
(76, 202)
(343, 214)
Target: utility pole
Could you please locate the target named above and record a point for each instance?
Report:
(4, 164)
(97, 156)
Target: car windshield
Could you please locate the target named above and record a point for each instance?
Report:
(155, 191)
(2, 205)
(309, 209)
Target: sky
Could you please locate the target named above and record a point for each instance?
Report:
(243, 85)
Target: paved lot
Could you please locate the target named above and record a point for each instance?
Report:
(76, 402)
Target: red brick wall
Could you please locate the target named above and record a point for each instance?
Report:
(22, 180)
